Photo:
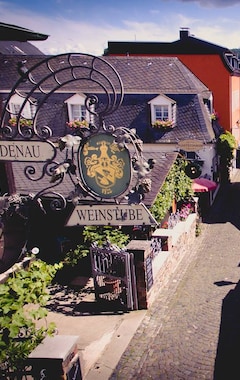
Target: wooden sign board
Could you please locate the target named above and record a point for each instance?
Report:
(112, 214)
(26, 151)
(191, 145)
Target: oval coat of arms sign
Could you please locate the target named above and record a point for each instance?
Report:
(105, 168)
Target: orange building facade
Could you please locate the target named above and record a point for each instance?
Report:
(217, 67)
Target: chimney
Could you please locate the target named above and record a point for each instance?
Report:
(184, 33)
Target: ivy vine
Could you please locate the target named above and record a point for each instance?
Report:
(177, 186)
(226, 144)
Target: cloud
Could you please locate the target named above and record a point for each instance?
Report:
(66, 35)
(214, 3)
(91, 36)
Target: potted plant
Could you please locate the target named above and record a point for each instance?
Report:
(112, 285)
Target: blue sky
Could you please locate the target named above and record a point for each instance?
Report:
(86, 26)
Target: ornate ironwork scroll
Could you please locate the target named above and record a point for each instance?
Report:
(85, 73)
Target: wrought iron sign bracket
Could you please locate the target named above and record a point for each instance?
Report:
(104, 163)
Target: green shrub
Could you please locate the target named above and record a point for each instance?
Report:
(73, 256)
(225, 148)
(23, 298)
(95, 234)
(103, 234)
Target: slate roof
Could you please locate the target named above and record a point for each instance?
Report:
(192, 120)
(138, 74)
(14, 40)
(18, 48)
(8, 69)
(164, 161)
(156, 74)
(190, 45)
(143, 79)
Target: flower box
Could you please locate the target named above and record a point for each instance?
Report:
(23, 122)
(78, 124)
(163, 124)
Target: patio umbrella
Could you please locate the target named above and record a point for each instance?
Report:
(201, 185)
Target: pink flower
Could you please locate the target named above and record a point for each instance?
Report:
(75, 124)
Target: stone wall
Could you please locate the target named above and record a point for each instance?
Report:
(155, 260)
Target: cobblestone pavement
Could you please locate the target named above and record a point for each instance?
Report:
(192, 331)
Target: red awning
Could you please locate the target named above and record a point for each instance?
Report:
(201, 185)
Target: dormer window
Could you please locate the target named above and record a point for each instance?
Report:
(208, 102)
(163, 109)
(232, 60)
(27, 112)
(77, 109)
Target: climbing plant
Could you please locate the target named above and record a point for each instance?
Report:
(102, 234)
(177, 186)
(226, 144)
(98, 234)
(23, 298)
(75, 254)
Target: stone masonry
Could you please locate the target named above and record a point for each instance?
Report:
(192, 329)
(162, 263)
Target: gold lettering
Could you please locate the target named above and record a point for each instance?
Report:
(106, 191)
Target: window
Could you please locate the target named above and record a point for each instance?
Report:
(208, 102)
(163, 108)
(161, 112)
(28, 111)
(78, 112)
(77, 109)
(232, 60)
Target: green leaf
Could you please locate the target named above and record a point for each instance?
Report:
(25, 287)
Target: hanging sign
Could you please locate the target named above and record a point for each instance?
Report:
(114, 215)
(26, 151)
(104, 167)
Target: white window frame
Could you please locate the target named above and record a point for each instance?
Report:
(77, 112)
(15, 104)
(161, 112)
(163, 108)
(77, 101)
